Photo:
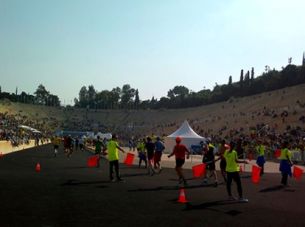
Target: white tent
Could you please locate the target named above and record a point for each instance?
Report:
(33, 130)
(102, 136)
(188, 135)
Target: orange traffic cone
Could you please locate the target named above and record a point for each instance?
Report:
(37, 167)
(182, 198)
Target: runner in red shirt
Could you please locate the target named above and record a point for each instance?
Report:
(179, 151)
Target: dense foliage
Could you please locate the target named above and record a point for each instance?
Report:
(181, 97)
(178, 97)
(41, 97)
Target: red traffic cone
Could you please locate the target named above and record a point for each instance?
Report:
(182, 198)
(37, 168)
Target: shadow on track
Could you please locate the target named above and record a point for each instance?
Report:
(212, 204)
(74, 182)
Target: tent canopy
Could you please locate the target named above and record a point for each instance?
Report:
(188, 135)
(25, 127)
(185, 131)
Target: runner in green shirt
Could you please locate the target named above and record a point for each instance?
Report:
(232, 169)
(113, 158)
(286, 163)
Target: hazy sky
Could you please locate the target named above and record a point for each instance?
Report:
(151, 45)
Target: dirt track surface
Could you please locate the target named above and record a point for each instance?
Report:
(68, 193)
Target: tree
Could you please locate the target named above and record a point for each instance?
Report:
(53, 100)
(230, 80)
(127, 95)
(114, 97)
(41, 95)
(241, 78)
(252, 73)
(137, 99)
(178, 91)
(83, 97)
(91, 97)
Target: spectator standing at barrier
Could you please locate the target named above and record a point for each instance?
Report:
(150, 148)
(159, 148)
(113, 158)
(180, 151)
(141, 152)
(286, 163)
(232, 170)
(260, 148)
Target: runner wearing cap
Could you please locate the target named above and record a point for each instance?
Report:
(180, 151)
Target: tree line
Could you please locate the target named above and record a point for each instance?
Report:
(177, 97)
(41, 97)
(181, 97)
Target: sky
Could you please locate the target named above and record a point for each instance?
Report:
(151, 45)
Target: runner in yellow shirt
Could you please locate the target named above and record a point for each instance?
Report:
(232, 169)
(286, 163)
(113, 158)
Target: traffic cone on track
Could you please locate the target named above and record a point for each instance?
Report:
(182, 198)
(37, 168)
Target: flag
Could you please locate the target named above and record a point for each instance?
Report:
(297, 172)
(129, 159)
(256, 174)
(199, 170)
(93, 161)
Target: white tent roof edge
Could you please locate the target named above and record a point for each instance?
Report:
(185, 131)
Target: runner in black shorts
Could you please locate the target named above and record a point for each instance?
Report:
(180, 151)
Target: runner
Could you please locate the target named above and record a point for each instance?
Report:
(159, 148)
(180, 151)
(56, 142)
(286, 163)
(141, 152)
(98, 149)
(81, 144)
(260, 148)
(113, 158)
(222, 164)
(150, 148)
(232, 170)
(76, 143)
(69, 146)
(209, 160)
